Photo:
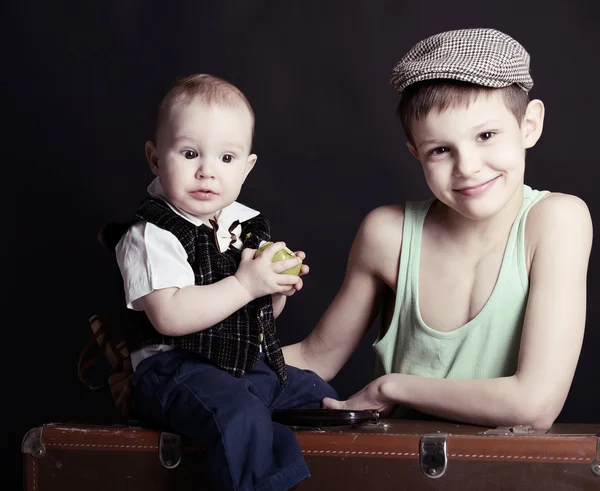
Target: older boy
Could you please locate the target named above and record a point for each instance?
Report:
(483, 287)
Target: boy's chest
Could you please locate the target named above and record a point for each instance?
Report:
(453, 288)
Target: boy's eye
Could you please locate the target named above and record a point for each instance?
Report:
(189, 154)
(485, 136)
(439, 150)
(227, 158)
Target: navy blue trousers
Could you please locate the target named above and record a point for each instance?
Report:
(178, 391)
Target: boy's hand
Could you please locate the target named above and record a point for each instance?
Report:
(371, 397)
(260, 276)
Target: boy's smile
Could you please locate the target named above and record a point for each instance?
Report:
(477, 189)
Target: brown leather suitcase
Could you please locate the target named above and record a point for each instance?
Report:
(386, 455)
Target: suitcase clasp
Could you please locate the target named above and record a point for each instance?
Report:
(433, 454)
(169, 450)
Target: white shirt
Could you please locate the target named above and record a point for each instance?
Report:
(151, 258)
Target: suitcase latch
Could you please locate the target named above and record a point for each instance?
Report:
(433, 454)
(169, 449)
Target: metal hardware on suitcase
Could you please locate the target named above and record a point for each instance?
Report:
(429, 455)
(384, 455)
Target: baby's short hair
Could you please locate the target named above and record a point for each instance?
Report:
(419, 99)
(208, 88)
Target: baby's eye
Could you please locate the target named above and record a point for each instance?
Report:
(439, 150)
(485, 136)
(227, 158)
(189, 154)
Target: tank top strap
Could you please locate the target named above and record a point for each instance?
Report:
(414, 217)
(515, 247)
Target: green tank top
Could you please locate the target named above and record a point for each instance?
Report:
(485, 347)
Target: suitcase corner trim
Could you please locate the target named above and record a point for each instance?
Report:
(32, 443)
(596, 462)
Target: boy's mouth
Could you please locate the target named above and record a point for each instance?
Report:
(477, 188)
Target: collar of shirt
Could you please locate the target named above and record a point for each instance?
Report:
(224, 218)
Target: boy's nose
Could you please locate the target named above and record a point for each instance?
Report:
(467, 165)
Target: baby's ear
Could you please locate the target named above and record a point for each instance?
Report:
(533, 122)
(252, 158)
(152, 157)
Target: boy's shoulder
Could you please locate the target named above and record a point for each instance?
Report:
(553, 202)
(379, 240)
(385, 218)
(390, 217)
(556, 215)
(556, 209)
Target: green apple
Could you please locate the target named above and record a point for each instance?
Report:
(282, 255)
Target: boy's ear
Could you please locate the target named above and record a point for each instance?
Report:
(533, 122)
(252, 158)
(412, 149)
(152, 157)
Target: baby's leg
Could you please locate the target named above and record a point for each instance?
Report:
(207, 404)
(304, 389)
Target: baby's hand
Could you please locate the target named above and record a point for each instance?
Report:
(302, 256)
(304, 269)
(260, 276)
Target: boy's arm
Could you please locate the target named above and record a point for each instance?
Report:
(181, 311)
(561, 230)
(354, 308)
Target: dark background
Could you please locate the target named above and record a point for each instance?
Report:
(80, 86)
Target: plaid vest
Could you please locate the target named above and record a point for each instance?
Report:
(234, 343)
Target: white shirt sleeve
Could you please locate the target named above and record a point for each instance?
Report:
(151, 258)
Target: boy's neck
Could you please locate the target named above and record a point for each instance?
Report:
(477, 233)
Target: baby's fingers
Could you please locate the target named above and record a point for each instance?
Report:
(289, 292)
(286, 281)
(298, 286)
(281, 266)
(248, 254)
(269, 251)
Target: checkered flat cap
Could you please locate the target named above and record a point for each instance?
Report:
(481, 56)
